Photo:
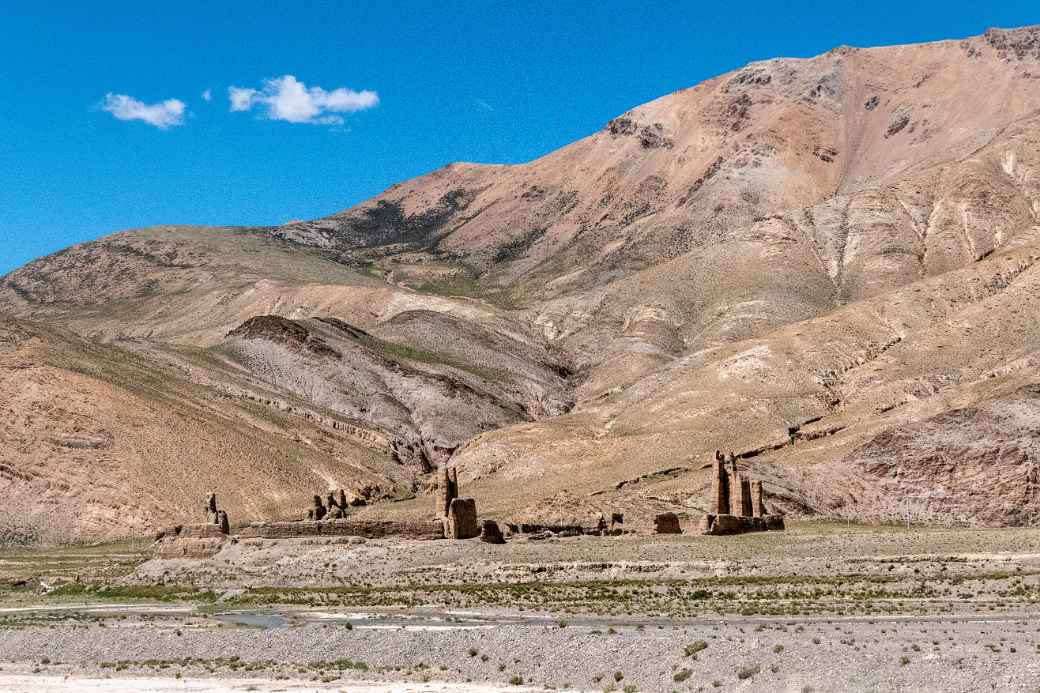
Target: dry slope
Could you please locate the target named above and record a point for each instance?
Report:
(821, 264)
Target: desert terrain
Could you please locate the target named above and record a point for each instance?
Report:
(918, 609)
(823, 270)
(826, 266)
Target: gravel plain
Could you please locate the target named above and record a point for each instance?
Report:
(817, 608)
(893, 653)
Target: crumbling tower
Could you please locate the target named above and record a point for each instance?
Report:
(447, 490)
(745, 497)
(736, 502)
(719, 501)
(318, 511)
(758, 508)
(211, 510)
(216, 516)
(735, 505)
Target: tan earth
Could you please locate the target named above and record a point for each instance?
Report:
(827, 266)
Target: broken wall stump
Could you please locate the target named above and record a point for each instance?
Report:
(667, 523)
(490, 533)
(461, 522)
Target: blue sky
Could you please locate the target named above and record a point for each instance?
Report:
(382, 91)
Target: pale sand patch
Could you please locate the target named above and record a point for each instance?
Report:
(22, 683)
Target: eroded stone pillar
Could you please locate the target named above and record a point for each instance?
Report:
(735, 501)
(758, 506)
(443, 491)
(745, 497)
(319, 509)
(718, 502)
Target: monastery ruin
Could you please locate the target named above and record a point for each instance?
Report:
(735, 506)
(735, 503)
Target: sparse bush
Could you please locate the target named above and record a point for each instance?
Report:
(695, 647)
(747, 671)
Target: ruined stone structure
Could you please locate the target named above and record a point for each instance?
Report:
(490, 533)
(369, 529)
(745, 498)
(206, 539)
(456, 519)
(758, 506)
(735, 503)
(317, 511)
(459, 515)
(564, 530)
(447, 489)
(667, 523)
(739, 490)
(201, 540)
(216, 516)
(462, 519)
(718, 503)
(337, 504)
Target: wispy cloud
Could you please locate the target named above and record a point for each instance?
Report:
(483, 105)
(165, 114)
(287, 98)
(207, 95)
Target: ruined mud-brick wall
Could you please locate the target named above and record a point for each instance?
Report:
(199, 532)
(737, 524)
(189, 547)
(190, 541)
(369, 529)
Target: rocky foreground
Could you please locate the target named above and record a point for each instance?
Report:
(796, 654)
(819, 607)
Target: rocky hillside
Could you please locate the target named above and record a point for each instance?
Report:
(826, 265)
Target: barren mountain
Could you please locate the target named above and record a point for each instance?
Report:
(826, 265)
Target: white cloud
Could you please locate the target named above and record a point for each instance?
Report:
(241, 99)
(287, 98)
(162, 115)
(207, 95)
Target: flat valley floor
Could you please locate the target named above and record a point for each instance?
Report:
(821, 607)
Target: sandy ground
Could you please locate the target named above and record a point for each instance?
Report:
(30, 683)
